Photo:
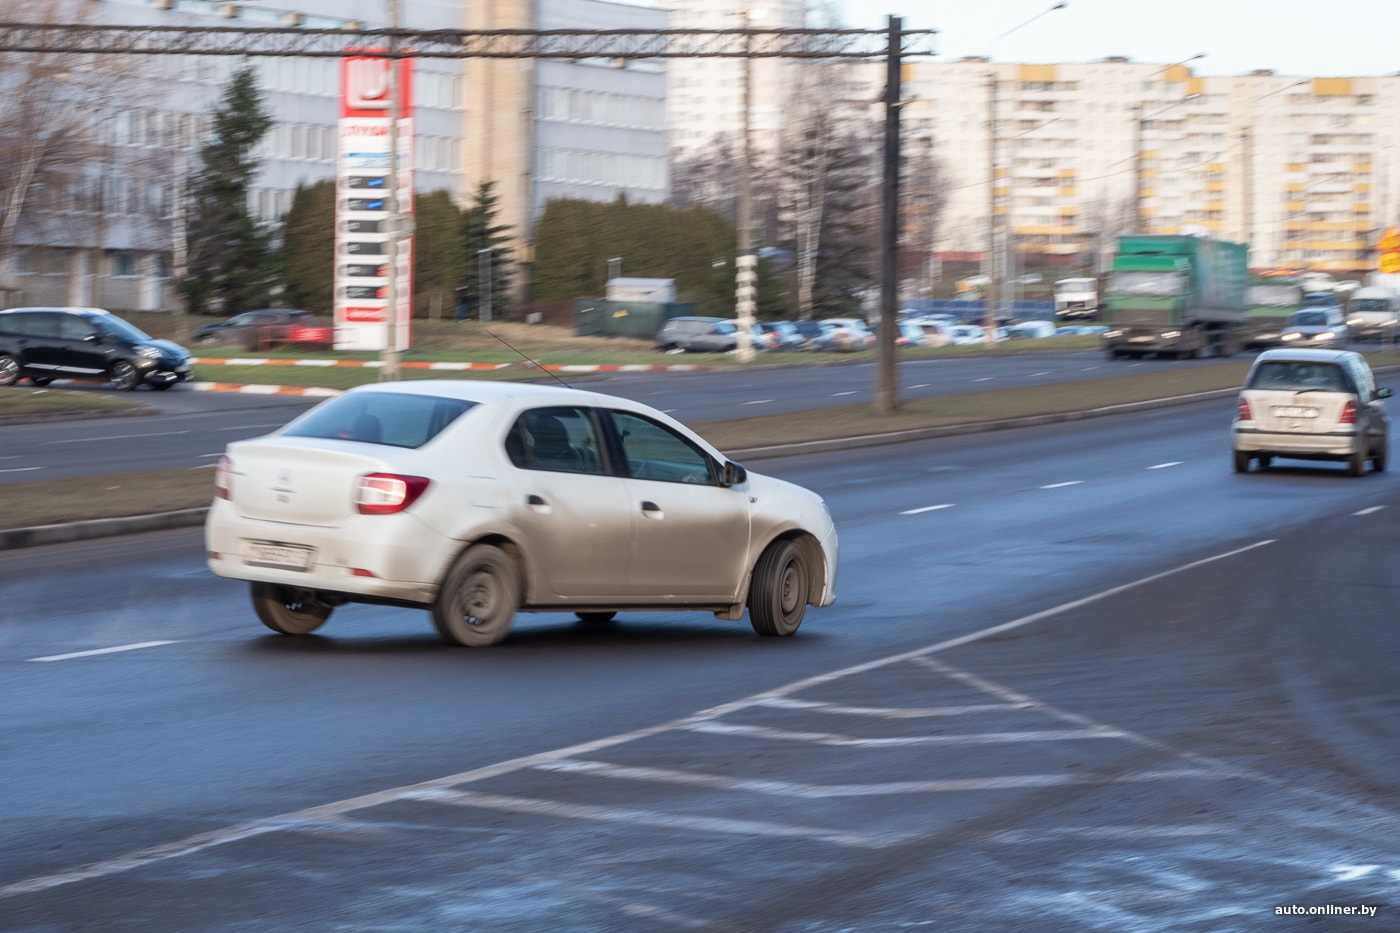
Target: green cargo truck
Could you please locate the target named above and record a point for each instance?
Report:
(1177, 296)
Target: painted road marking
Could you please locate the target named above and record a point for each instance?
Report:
(927, 508)
(20, 469)
(839, 394)
(907, 712)
(852, 741)
(1374, 508)
(466, 798)
(1163, 466)
(1073, 482)
(336, 810)
(824, 791)
(761, 401)
(97, 651)
(114, 437)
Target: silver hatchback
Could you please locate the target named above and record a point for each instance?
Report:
(1311, 405)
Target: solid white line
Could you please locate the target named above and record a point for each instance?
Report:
(850, 741)
(927, 508)
(905, 712)
(822, 791)
(1113, 832)
(467, 798)
(1073, 482)
(97, 651)
(337, 809)
(1374, 508)
(20, 469)
(1163, 466)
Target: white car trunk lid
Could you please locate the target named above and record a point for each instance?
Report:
(300, 482)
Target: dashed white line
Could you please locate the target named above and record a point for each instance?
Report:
(760, 401)
(1073, 482)
(839, 394)
(115, 437)
(899, 712)
(983, 379)
(1374, 508)
(97, 651)
(20, 469)
(927, 508)
(922, 385)
(852, 741)
(1163, 466)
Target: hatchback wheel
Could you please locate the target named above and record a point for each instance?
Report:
(9, 370)
(123, 376)
(778, 592)
(478, 598)
(288, 611)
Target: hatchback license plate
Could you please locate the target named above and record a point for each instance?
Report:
(285, 556)
(1294, 411)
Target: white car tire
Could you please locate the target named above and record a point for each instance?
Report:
(778, 592)
(478, 598)
(288, 611)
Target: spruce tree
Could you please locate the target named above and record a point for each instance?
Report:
(487, 275)
(230, 263)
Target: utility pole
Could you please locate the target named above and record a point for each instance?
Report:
(886, 389)
(389, 356)
(746, 272)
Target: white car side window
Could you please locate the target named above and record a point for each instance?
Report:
(653, 451)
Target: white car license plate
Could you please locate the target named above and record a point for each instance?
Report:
(1294, 411)
(284, 556)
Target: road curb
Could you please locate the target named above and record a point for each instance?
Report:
(15, 538)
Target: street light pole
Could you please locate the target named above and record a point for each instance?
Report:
(886, 391)
(746, 263)
(389, 356)
(989, 323)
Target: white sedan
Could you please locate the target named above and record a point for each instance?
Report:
(475, 500)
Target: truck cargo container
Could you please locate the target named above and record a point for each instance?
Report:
(1177, 296)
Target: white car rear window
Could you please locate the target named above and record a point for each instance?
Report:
(381, 418)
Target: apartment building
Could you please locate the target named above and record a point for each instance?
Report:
(1305, 169)
(539, 128)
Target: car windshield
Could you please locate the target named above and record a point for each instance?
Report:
(380, 418)
(1275, 296)
(1364, 305)
(1309, 319)
(110, 326)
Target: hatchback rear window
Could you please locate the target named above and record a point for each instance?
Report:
(380, 418)
(1300, 374)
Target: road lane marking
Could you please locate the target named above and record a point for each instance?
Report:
(824, 791)
(97, 651)
(1022, 836)
(927, 508)
(114, 437)
(334, 810)
(852, 741)
(983, 379)
(581, 811)
(1374, 508)
(922, 385)
(906, 712)
(1073, 482)
(20, 469)
(839, 394)
(1163, 466)
(761, 401)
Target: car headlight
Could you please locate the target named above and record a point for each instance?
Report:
(1327, 336)
(149, 353)
(1290, 336)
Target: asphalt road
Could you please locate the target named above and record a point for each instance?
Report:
(189, 429)
(1079, 677)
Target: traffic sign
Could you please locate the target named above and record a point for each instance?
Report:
(1390, 262)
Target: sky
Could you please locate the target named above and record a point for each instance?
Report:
(1327, 38)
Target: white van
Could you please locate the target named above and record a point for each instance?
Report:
(1373, 313)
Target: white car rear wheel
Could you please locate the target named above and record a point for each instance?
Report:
(478, 598)
(288, 611)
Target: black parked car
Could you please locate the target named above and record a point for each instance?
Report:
(242, 329)
(45, 344)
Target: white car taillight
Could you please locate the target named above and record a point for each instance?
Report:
(387, 493)
(223, 478)
(1243, 413)
(1348, 413)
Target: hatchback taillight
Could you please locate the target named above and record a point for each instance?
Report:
(387, 493)
(1243, 413)
(223, 478)
(1348, 413)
